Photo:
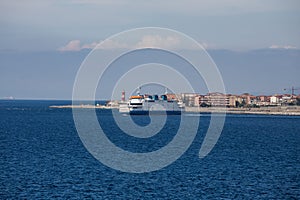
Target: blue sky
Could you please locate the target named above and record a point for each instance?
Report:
(42, 43)
(228, 24)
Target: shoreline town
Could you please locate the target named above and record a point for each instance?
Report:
(279, 104)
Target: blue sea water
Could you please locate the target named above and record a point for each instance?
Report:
(42, 157)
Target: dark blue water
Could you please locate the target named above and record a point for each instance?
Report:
(42, 157)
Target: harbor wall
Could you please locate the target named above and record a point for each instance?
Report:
(276, 110)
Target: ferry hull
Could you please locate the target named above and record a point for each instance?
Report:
(156, 112)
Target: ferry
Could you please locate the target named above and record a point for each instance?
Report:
(153, 104)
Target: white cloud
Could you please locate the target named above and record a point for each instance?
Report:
(146, 41)
(151, 41)
(111, 44)
(89, 46)
(282, 47)
(73, 45)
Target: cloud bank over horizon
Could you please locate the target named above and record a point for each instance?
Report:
(147, 41)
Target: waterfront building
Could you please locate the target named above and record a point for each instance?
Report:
(274, 100)
(215, 99)
(262, 100)
(188, 98)
(233, 99)
(171, 96)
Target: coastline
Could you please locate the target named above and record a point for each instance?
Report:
(83, 106)
(277, 110)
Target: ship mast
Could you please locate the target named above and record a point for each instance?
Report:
(138, 91)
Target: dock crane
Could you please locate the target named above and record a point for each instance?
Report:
(293, 89)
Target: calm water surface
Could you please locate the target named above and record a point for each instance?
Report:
(42, 157)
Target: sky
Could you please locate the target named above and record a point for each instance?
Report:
(226, 24)
(65, 29)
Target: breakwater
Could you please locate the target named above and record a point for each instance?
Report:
(276, 110)
(84, 106)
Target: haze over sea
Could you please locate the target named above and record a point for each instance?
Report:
(42, 156)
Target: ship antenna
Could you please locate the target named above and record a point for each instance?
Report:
(166, 90)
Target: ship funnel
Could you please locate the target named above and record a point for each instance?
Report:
(123, 96)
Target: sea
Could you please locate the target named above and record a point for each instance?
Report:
(43, 157)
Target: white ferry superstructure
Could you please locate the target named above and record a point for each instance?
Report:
(153, 104)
